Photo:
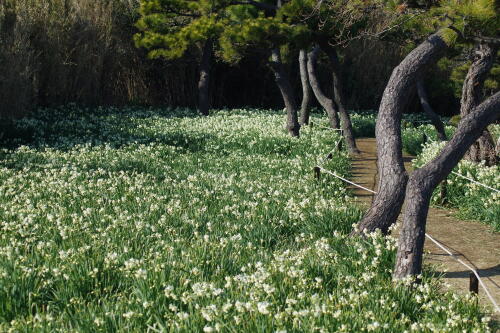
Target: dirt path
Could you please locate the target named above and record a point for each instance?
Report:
(473, 242)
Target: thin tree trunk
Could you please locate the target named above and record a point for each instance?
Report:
(204, 81)
(472, 91)
(287, 92)
(306, 89)
(339, 97)
(424, 180)
(483, 150)
(434, 117)
(392, 176)
(325, 102)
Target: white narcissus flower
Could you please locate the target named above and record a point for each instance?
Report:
(262, 307)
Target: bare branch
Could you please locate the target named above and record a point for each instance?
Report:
(257, 4)
(486, 40)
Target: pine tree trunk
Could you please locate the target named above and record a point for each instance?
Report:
(392, 176)
(472, 93)
(339, 97)
(424, 180)
(434, 117)
(325, 102)
(287, 92)
(306, 89)
(204, 81)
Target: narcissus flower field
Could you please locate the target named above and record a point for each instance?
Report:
(138, 220)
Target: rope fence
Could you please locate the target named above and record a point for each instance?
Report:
(318, 168)
(441, 246)
(495, 305)
(475, 182)
(336, 147)
(326, 127)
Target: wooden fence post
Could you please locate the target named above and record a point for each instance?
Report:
(317, 172)
(473, 283)
(340, 145)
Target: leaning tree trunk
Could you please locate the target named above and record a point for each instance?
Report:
(325, 102)
(434, 117)
(286, 90)
(392, 176)
(424, 180)
(484, 148)
(204, 81)
(306, 89)
(338, 93)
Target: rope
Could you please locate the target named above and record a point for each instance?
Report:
(347, 181)
(495, 305)
(332, 129)
(476, 182)
(335, 147)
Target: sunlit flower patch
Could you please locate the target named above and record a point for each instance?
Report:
(473, 200)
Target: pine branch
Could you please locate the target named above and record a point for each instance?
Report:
(257, 4)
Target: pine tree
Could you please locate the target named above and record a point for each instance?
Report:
(457, 22)
(169, 28)
(265, 26)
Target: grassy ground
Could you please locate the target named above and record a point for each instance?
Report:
(134, 220)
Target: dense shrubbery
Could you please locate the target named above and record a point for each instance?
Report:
(137, 219)
(414, 138)
(473, 201)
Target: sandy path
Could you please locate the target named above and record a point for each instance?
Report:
(472, 241)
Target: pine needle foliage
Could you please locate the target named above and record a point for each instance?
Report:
(169, 27)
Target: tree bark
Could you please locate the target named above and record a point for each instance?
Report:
(472, 91)
(325, 102)
(287, 92)
(392, 176)
(204, 81)
(338, 92)
(424, 180)
(434, 117)
(306, 89)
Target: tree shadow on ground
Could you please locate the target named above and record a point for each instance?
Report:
(483, 272)
(61, 131)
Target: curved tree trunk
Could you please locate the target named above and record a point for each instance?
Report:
(325, 102)
(392, 176)
(339, 97)
(286, 90)
(424, 180)
(434, 117)
(204, 81)
(306, 89)
(484, 148)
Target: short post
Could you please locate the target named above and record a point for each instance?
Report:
(317, 172)
(340, 147)
(473, 284)
(329, 156)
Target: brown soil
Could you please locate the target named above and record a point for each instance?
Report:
(471, 241)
